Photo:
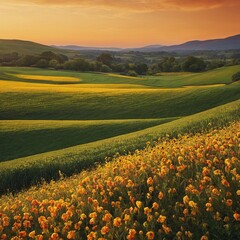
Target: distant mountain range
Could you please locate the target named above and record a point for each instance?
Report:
(229, 43)
(214, 44)
(27, 47)
(81, 48)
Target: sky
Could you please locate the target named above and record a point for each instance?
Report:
(118, 23)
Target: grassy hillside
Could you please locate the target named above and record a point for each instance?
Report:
(22, 47)
(26, 47)
(102, 106)
(165, 80)
(186, 188)
(21, 138)
(26, 171)
(101, 96)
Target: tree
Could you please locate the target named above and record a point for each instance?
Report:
(105, 68)
(53, 64)
(132, 73)
(42, 63)
(193, 64)
(141, 68)
(77, 65)
(236, 77)
(27, 60)
(106, 59)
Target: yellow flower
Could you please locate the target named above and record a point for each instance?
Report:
(147, 210)
(161, 219)
(217, 172)
(139, 204)
(192, 204)
(126, 217)
(32, 234)
(185, 199)
(83, 216)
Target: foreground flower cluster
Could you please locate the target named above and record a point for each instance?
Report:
(185, 188)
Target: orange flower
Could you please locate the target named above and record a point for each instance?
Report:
(160, 195)
(107, 217)
(229, 202)
(225, 183)
(117, 222)
(104, 230)
(150, 181)
(93, 215)
(131, 235)
(204, 237)
(236, 216)
(71, 235)
(215, 192)
(150, 235)
(54, 236)
(166, 229)
(27, 224)
(155, 205)
(5, 221)
(22, 234)
(3, 237)
(161, 219)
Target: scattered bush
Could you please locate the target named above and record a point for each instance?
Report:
(236, 77)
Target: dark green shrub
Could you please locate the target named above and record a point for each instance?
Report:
(236, 77)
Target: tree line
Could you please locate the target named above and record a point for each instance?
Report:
(106, 62)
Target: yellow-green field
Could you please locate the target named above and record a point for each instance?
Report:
(45, 112)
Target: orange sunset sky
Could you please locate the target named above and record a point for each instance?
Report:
(118, 23)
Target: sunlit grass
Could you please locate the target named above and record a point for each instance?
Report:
(21, 138)
(124, 76)
(48, 78)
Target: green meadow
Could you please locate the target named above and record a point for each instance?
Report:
(61, 120)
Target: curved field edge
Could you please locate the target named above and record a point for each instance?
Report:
(22, 138)
(23, 172)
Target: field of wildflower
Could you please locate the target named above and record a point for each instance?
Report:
(182, 188)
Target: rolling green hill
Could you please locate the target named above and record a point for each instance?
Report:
(102, 96)
(63, 120)
(22, 172)
(27, 47)
(21, 138)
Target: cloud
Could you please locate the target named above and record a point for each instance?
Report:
(139, 5)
